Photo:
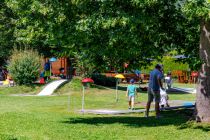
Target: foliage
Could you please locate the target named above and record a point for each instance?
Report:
(109, 33)
(24, 66)
(103, 80)
(132, 31)
(169, 64)
(6, 32)
(84, 64)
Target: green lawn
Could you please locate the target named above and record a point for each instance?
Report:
(34, 89)
(50, 118)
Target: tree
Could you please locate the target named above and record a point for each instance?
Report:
(6, 32)
(131, 30)
(201, 9)
(203, 90)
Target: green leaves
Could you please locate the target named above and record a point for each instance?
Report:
(24, 66)
(110, 32)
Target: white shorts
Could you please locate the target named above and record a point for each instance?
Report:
(131, 98)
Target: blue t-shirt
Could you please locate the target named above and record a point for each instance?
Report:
(131, 90)
(47, 66)
(137, 72)
(153, 79)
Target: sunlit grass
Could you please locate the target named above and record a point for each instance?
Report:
(58, 118)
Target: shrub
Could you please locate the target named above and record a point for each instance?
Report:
(103, 80)
(24, 66)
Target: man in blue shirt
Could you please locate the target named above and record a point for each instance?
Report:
(155, 84)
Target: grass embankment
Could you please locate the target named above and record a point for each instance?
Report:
(33, 89)
(40, 118)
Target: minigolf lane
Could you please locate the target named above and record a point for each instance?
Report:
(51, 87)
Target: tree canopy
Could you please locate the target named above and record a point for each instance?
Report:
(6, 31)
(108, 32)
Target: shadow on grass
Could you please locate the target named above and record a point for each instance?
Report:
(176, 118)
(177, 92)
(193, 125)
(103, 87)
(99, 86)
(203, 128)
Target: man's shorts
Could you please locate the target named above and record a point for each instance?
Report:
(131, 98)
(153, 95)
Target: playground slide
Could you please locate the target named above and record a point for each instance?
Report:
(51, 87)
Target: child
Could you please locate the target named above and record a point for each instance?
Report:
(131, 92)
(163, 98)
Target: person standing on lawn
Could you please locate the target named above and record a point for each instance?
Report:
(131, 92)
(155, 83)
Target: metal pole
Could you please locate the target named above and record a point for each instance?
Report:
(117, 90)
(83, 98)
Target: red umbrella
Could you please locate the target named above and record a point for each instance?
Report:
(87, 80)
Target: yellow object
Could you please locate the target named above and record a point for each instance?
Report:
(120, 76)
(6, 82)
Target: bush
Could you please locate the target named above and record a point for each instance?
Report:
(103, 80)
(24, 66)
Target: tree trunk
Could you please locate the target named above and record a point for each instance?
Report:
(203, 88)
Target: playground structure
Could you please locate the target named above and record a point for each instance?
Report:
(176, 104)
(181, 76)
(143, 78)
(61, 66)
(185, 76)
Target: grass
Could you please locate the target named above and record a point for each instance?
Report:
(52, 118)
(183, 85)
(33, 89)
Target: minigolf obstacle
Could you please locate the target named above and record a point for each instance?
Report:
(51, 87)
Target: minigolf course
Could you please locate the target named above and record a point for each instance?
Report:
(175, 104)
(51, 87)
(186, 90)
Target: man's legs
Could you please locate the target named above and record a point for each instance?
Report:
(157, 109)
(147, 108)
(157, 103)
(150, 99)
